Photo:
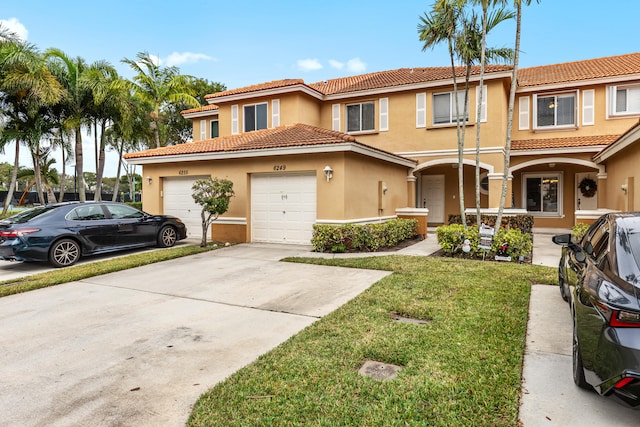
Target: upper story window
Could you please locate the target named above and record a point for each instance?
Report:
(624, 100)
(552, 111)
(215, 129)
(360, 117)
(255, 117)
(444, 107)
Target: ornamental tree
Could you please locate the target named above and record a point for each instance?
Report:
(214, 195)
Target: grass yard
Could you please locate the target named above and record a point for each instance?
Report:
(461, 368)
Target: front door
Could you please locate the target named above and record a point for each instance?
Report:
(433, 197)
(586, 195)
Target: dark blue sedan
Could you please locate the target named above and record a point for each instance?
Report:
(61, 233)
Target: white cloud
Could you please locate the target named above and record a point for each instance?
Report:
(309, 64)
(15, 26)
(179, 58)
(336, 64)
(355, 65)
(155, 59)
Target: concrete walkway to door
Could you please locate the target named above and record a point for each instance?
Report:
(138, 347)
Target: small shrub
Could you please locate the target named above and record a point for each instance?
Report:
(519, 243)
(578, 231)
(362, 237)
(521, 222)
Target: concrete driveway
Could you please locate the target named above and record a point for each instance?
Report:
(137, 347)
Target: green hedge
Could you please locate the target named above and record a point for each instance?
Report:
(362, 237)
(520, 222)
(452, 237)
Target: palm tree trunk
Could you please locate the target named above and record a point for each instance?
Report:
(463, 217)
(101, 159)
(14, 179)
(512, 99)
(479, 111)
(116, 186)
(82, 195)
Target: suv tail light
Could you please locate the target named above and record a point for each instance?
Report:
(624, 319)
(14, 234)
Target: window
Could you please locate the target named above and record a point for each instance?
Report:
(444, 108)
(255, 117)
(124, 212)
(360, 117)
(542, 193)
(555, 111)
(624, 100)
(203, 129)
(215, 130)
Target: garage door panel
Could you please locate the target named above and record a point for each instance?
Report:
(177, 201)
(283, 208)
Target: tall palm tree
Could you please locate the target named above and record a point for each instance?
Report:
(48, 176)
(26, 84)
(441, 25)
(157, 86)
(512, 100)
(75, 75)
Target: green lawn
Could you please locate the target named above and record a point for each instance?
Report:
(462, 368)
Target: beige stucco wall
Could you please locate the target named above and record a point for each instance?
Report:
(352, 194)
(622, 169)
(603, 126)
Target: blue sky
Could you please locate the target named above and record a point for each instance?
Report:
(243, 43)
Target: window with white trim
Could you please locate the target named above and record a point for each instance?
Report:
(361, 117)
(624, 100)
(444, 107)
(215, 128)
(542, 193)
(255, 117)
(554, 111)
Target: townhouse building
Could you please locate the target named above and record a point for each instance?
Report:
(385, 144)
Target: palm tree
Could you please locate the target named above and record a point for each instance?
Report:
(48, 176)
(26, 84)
(157, 86)
(512, 100)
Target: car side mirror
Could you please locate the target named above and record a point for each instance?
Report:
(561, 239)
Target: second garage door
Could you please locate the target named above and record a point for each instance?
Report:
(283, 208)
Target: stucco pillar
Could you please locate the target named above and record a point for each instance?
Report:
(602, 190)
(411, 191)
(495, 190)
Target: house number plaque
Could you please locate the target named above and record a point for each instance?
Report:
(279, 167)
(183, 172)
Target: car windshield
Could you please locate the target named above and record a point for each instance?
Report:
(29, 214)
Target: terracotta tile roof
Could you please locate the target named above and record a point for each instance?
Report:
(297, 135)
(580, 70)
(209, 107)
(577, 141)
(257, 87)
(399, 77)
(378, 80)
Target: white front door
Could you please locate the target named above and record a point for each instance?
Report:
(433, 197)
(177, 201)
(582, 202)
(283, 208)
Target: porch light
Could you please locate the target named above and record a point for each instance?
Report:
(328, 172)
(149, 180)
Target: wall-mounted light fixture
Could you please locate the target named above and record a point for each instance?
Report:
(328, 172)
(623, 187)
(149, 180)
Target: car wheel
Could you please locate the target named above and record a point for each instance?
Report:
(167, 236)
(64, 253)
(564, 289)
(578, 368)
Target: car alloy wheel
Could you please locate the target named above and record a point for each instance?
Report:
(167, 237)
(64, 253)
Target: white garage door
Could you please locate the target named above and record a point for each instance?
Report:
(177, 201)
(283, 208)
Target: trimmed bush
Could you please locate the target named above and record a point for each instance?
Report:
(362, 237)
(520, 222)
(452, 237)
(578, 231)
